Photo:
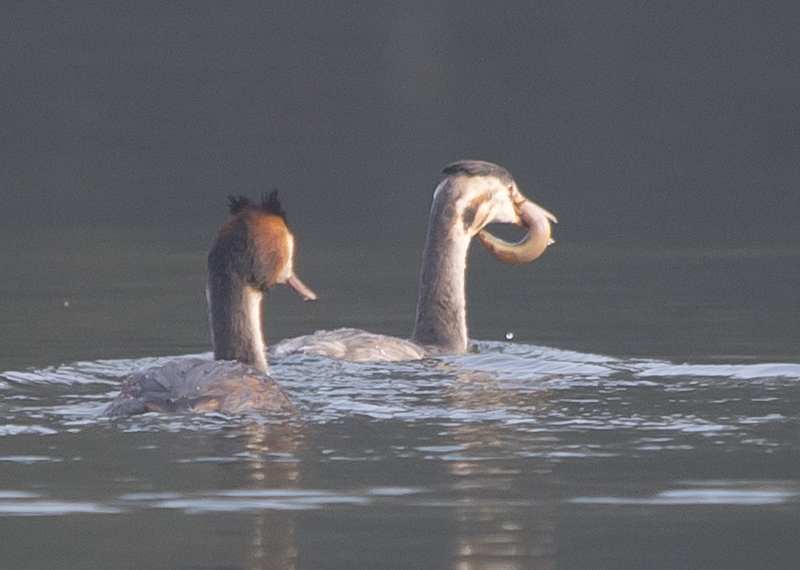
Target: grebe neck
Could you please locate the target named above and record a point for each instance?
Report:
(441, 308)
(235, 312)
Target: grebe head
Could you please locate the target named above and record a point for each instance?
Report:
(486, 193)
(256, 246)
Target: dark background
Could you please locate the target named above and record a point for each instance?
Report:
(663, 124)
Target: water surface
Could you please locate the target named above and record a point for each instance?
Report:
(644, 415)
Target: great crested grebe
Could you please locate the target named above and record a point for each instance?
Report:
(473, 194)
(253, 251)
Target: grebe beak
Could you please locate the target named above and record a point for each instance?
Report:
(533, 218)
(301, 288)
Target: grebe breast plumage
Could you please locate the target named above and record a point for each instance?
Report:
(473, 194)
(252, 252)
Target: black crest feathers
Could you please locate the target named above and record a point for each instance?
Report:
(269, 204)
(238, 203)
(478, 168)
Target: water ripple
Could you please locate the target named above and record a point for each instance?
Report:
(15, 503)
(537, 401)
(734, 371)
(710, 493)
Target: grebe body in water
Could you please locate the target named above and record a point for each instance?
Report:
(473, 194)
(253, 251)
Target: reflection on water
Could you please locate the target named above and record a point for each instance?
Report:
(491, 535)
(273, 467)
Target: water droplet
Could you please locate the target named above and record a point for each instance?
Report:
(509, 335)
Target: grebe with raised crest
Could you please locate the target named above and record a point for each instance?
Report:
(473, 194)
(252, 252)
